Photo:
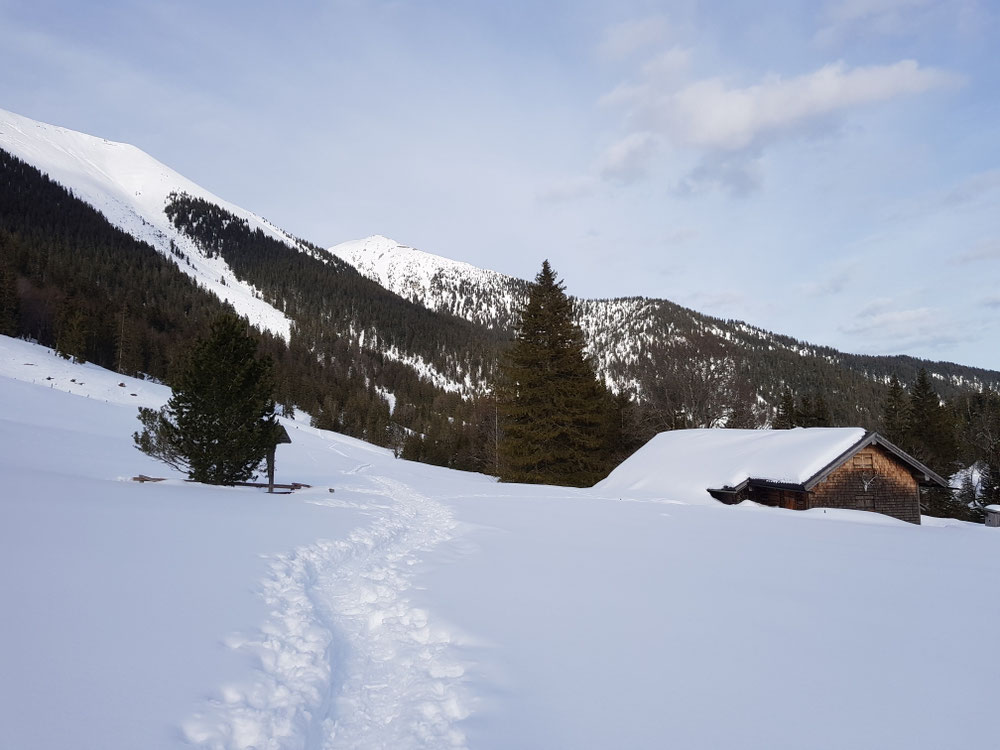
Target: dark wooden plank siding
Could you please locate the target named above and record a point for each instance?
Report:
(873, 479)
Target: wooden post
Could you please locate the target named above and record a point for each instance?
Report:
(280, 436)
(270, 468)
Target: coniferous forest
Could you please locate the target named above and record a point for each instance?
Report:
(71, 280)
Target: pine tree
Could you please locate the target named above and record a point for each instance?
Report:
(552, 406)
(931, 434)
(219, 423)
(896, 413)
(989, 482)
(968, 492)
(980, 431)
(813, 412)
(8, 291)
(128, 355)
(786, 416)
(931, 439)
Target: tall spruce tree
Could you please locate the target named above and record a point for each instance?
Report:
(219, 423)
(931, 434)
(931, 439)
(553, 409)
(896, 413)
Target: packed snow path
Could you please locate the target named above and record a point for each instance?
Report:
(344, 660)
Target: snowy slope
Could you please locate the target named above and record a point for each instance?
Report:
(417, 607)
(130, 188)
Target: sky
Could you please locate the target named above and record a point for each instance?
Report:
(826, 169)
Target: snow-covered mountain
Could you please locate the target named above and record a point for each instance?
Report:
(476, 294)
(627, 334)
(131, 189)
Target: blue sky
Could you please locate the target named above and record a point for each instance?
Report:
(828, 170)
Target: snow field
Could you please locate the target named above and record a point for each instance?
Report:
(339, 618)
(417, 607)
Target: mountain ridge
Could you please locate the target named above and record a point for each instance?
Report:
(491, 298)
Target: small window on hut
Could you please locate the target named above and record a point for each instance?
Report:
(864, 461)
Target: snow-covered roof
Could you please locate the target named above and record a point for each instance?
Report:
(993, 508)
(684, 464)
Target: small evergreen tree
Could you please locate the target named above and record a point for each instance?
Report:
(552, 406)
(219, 423)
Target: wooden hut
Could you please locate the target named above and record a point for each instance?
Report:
(798, 469)
(872, 475)
(993, 515)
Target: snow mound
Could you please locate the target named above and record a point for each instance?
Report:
(684, 464)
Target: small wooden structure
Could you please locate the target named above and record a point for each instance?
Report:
(993, 515)
(280, 436)
(872, 475)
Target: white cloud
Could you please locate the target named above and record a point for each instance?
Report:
(882, 16)
(729, 126)
(628, 159)
(721, 302)
(738, 173)
(709, 114)
(844, 18)
(832, 281)
(625, 39)
(681, 236)
(878, 326)
(667, 66)
(984, 251)
(568, 189)
(973, 189)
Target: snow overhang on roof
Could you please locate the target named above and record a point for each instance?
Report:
(687, 462)
(993, 508)
(693, 462)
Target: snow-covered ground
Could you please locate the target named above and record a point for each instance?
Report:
(417, 607)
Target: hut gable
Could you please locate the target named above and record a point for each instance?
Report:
(796, 469)
(874, 479)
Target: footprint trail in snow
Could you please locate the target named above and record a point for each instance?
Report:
(345, 661)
